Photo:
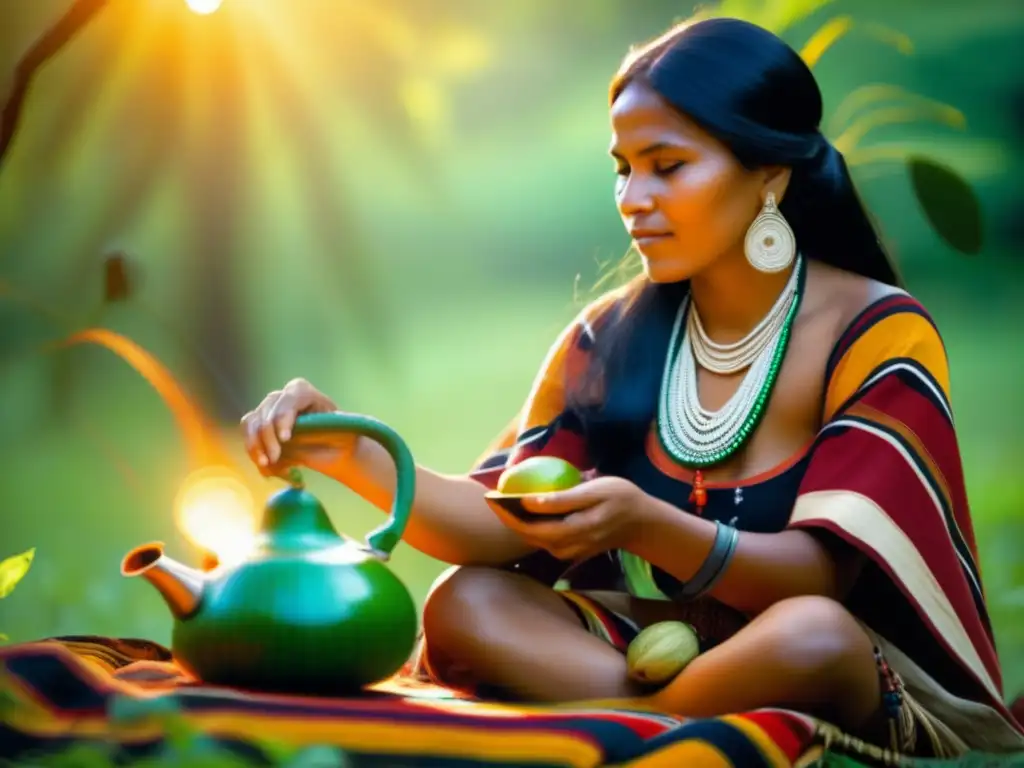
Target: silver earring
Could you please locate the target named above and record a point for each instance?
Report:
(770, 244)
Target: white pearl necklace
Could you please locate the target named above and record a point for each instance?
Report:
(686, 428)
(738, 355)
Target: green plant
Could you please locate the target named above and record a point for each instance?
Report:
(13, 570)
(947, 202)
(406, 100)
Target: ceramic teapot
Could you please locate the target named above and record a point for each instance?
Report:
(309, 611)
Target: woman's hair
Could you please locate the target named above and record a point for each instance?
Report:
(751, 91)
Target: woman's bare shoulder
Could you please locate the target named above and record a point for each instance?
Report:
(835, 297)
(870, 328)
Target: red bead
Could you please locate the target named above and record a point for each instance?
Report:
(699, 495)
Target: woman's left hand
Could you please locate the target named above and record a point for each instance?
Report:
(606, 513)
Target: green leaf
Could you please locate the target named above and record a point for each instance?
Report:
(948, 203)
(84, 755)
(970, 158)
(826, 36)
(276, 752)
(789, 12)
(13, 570)
(3, 638)
(853, 136)
(874, 94)
(776, 15)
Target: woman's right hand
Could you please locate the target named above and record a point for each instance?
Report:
(268, 430)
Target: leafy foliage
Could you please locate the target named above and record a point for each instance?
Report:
(406, 101)
(776, 15)
(406, 97)
(13, 570)
(949, 204)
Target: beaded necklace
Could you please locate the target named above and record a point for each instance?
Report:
(694, 436)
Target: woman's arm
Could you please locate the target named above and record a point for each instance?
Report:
(765, 567)
(450, 520)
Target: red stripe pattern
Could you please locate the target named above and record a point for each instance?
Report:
(94, 685)
(893, 442)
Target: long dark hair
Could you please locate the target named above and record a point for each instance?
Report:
(751, 91)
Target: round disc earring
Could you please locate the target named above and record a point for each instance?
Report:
(770, 244)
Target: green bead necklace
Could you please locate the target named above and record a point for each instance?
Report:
(677, 438)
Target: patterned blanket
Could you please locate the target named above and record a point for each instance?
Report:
(128, 698)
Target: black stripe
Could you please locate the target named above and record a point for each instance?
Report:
(851, 333)
(585, 338)
(494, 461)
(967, 559)
(943, 406)
(727, 739)
(531, 434)
(539, 436)
(56, 684)
(930, 393)
(900, 304)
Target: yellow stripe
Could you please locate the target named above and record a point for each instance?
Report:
(901, 335)
(410, 739)
(33, 717)
(685, 754)
(25, 702)
(771, 751)
(595, 623)
(350, 733)
(866, 521)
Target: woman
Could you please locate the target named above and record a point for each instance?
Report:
(824, 551)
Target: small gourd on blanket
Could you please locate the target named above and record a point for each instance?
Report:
(661, 651)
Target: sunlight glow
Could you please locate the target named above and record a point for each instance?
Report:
(203, 6)
(204, 446)
(215, 511)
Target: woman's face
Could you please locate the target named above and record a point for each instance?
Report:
(684, 198)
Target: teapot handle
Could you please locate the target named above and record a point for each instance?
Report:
(384, 538)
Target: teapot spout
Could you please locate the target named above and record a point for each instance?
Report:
(182, 587)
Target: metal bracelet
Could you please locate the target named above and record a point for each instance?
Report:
(713, 567)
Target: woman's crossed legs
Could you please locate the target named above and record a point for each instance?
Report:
(498, 630)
